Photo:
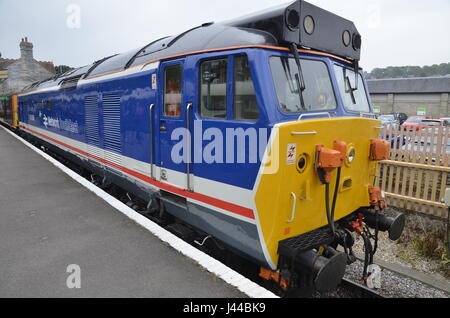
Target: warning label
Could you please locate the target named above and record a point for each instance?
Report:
(291, 154)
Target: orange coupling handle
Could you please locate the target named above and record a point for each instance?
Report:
(379, 149)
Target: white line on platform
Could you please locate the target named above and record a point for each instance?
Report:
(231, 277)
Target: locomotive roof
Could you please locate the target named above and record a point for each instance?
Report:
(207, 36)
(274, 27)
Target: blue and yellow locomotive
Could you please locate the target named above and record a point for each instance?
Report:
(256, 134)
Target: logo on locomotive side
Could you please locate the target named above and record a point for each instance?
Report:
(66, 124)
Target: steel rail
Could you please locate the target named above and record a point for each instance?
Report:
(364, 291)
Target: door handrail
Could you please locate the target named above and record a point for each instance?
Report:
(189, 147)
(314, 114)
(294, 206)
(152, 155)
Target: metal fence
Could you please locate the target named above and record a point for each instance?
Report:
(417, 173)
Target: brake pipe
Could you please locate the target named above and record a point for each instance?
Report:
(330, 214)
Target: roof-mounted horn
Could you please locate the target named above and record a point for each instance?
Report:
(308, 26)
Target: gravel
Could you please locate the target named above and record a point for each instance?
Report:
(405, 253)
(394, 285)
(340, 292)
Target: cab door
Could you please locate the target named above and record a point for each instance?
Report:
(173, 126)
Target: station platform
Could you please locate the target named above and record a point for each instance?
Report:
(48, 221)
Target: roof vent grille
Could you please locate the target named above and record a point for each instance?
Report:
(70, 83)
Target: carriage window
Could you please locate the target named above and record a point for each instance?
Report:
(213, 100)
(245, 106)
(172, 91)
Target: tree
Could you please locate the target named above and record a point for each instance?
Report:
(442, 69)
(61, 69)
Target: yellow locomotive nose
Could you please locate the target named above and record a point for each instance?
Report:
(305, 155)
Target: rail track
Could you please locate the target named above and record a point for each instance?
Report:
(349, 289)
(360, 290)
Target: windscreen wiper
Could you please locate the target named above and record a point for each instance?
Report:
(288, 75)
(299, 77)
(349, 89)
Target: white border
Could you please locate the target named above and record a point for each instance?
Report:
(272, 148)
(231, 277)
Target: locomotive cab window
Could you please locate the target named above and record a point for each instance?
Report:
(172, 91)
(245, 105)
(354, 96)
(213, 89)
(317, 94)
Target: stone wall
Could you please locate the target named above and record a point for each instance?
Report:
(437, 105)
(407, 95)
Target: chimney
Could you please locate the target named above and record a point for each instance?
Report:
(26, 50)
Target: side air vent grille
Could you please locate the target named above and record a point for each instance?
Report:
(111, 123)
(91, 120)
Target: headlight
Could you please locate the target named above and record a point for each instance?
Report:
(293, 20)
(351, 156)
(309, 24)
(356, 41)
(346, 38)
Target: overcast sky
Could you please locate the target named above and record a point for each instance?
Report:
(395, 32)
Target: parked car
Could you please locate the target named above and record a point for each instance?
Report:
(400, 117)
(432, 123)
(447, 119)
(395, 139)
(388, 120)
(413, 123)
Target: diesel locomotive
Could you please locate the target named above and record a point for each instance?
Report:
(254, 136)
